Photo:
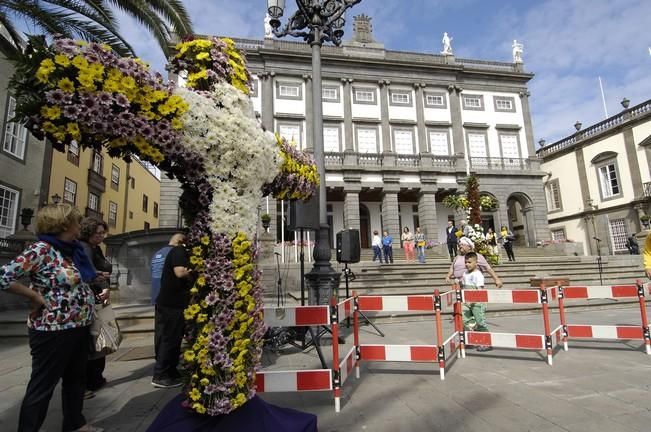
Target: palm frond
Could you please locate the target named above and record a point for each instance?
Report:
(10, 46)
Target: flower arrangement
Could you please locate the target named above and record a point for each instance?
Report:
(84, 92)
(298, 178)
(210, 61)
(208, 138)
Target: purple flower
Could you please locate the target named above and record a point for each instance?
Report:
(56, 97)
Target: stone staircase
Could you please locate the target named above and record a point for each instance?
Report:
(401, 278)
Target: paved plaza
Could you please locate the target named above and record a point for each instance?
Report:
(595, 386)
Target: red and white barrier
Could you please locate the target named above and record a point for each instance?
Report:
(346, 308)
(347, 365)
(506, 340)
(296, 316)
(294, 381)
(399, 353)
(590, 331)
(396, 303)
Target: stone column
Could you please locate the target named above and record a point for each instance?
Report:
(427, 214)
(390, 215)
(420, 118)
(457, 121)
(348, 114)
(530, 223)
(528, 128)
(384, 115)
(267, 94)
(351, 209)
(309, 115)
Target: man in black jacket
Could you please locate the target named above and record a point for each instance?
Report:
(451, 234)
(173, 298)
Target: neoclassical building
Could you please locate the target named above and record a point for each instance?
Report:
(401, 131)
(598, 181)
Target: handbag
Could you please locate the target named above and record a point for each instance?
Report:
(105, 330)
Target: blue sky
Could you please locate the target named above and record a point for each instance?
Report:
(568, 44)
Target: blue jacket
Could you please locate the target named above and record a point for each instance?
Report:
(451, 235)
(387, 241)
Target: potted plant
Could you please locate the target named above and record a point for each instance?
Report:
(645, 219)
(266, 220)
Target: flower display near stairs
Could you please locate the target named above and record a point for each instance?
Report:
(206, 135)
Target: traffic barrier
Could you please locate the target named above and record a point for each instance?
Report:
(313, 379)
(589, 331)
(402, 352)
(527, 341)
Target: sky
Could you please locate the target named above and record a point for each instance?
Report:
(568, 44)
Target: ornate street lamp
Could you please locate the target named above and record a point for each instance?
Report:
(316, 21)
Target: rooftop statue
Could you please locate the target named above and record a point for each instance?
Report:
(447, 44)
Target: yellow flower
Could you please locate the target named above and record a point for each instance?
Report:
(202, 318)
(202, 56)
(193, 290)
(197, 250)
(195, 394)
(188, 356)
(51, 113)
(176, 124)
(66, 85)
(199, 408)
(80, 62)
(62, 60)
(73, 130)
(49, 127)
(205, 240)
(204, 382)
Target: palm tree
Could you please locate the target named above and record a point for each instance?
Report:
(91, 20)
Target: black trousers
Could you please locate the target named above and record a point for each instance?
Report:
(56, 355)
(94, 373)
(168, 335)
(509, 251)
(452, 250)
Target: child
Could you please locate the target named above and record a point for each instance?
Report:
(387, 247)
(377, 247)
(474, 318)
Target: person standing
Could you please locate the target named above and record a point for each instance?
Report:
(458, 266)
(377, 247)
(419, 238)
(173, 298)
(157, 263)
(491, 239)
(466, 229)
(632, 246)
(92, 234)
(387, 247)
(647, 255)
(451, 236)
(61, 311)
(407, 238)
(507, 241)
(474, 314)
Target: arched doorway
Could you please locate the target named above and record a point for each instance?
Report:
(364, 226)
(520, 219)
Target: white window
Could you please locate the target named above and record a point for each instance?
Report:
(97, 162)
(93, 201)
(504, 104)
(69, 191)
(289, 90)
(115, 176)
(8, 211)
(608, 179)
(367, 140)
(292, 133)
(113, 214)
(401, 98)
(15, 133)
(558, 234)
(618, 234)
(435, 100)
(553, 195)
(439, 143)
(477, 149)
(73, 148)
(472, 101)
(403, 141)
(329, 94)
(331, 139)
(364, 95)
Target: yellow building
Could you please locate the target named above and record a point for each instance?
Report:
(125, 195)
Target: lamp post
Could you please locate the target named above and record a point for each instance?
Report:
(316, 21)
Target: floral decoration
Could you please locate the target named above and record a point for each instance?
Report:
(84, 92)
(298, 178)
(205, 135)
(210, 61)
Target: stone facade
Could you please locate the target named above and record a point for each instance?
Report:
(402, 131)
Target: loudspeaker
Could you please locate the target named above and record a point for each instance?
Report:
(348, 246)
(304, 214)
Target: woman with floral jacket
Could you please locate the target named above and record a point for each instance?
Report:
(62, 306)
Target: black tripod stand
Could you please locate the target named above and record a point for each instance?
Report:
(350, 276)
(600, 267)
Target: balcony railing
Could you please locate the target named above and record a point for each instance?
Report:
(646, 187)
(96, 180)
(610, 123)
(511, 164)
(94, 214)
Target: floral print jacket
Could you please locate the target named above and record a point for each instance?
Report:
(70, 301)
